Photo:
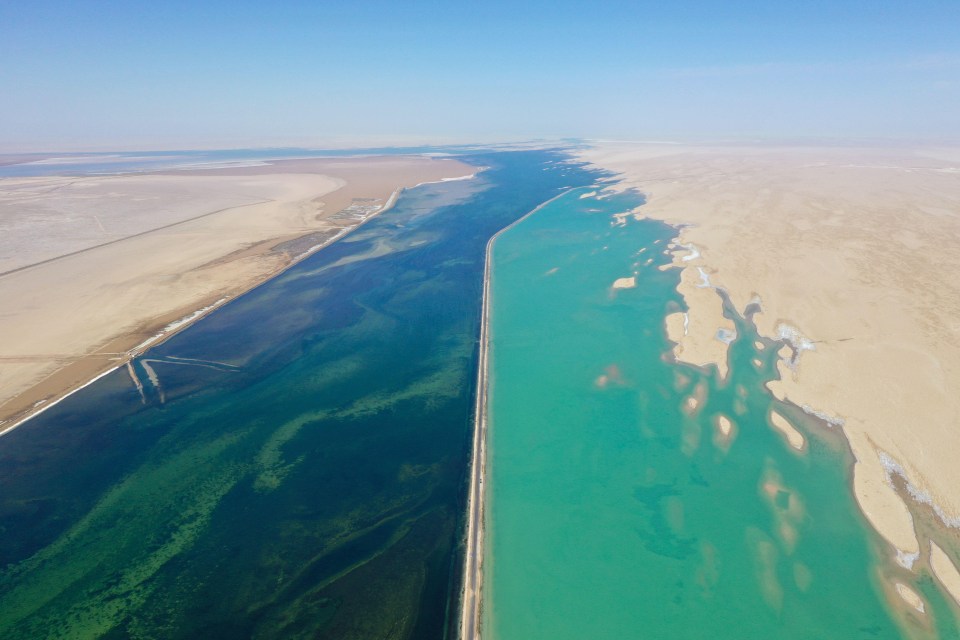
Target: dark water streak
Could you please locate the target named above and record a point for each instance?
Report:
(315, 487)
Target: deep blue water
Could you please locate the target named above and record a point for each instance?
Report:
(300, 469)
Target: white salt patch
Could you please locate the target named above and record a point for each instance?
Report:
(704, 279)
(470, 176)
(179, 323)
(906, 560)
(833, 421)
(226, 164)
(694, 253)
(793, 336)
(891, 466)
(726, 336)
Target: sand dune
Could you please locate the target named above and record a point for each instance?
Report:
(92, 267)
(854, 254)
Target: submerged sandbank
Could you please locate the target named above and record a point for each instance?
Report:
(621, 494)
(854, 247)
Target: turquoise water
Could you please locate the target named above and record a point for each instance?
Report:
(612, 511)
(300, 470)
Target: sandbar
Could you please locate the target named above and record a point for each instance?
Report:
(910, 596)
(856, 247)
(793, 437)
(945, 571)
(724, 431)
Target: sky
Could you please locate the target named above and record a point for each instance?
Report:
(160, 75)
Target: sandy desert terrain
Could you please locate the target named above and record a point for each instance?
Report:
(94, 269)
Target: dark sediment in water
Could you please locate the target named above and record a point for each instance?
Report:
(295, 463)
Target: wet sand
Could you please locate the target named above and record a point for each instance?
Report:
(94, 269)
(853, 255)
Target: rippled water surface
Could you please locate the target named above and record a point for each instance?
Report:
(296, 467)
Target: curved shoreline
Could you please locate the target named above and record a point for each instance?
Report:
(471, 600)
(800, 212)
(174, 323)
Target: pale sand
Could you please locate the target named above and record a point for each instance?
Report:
(724, 432)
(676, 324)
(699, 345)
(625, 283)
(793, 437)
(138, 253)
(910, 596)
(724, 426)
(859, 249)
(945, 571)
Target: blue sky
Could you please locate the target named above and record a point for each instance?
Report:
(170, 74)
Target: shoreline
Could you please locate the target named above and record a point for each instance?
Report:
(801, 213)
(471, 600)
(168, 325)
(913, 560)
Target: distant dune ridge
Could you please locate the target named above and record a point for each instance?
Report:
(95, 268)
(852, 255)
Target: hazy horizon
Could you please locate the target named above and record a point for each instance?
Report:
(104, 76)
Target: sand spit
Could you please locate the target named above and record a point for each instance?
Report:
(945, 571)
(910, 596)
(95, 269)
(855, 252)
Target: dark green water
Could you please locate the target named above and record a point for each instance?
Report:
(305, 473)
(613, 512)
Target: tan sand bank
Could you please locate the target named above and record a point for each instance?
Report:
(724, 432)
(910, 596)
(945, 571)
(793, 437)
(724, 427)
(854, 253)
(700, 344)
(94, 267)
